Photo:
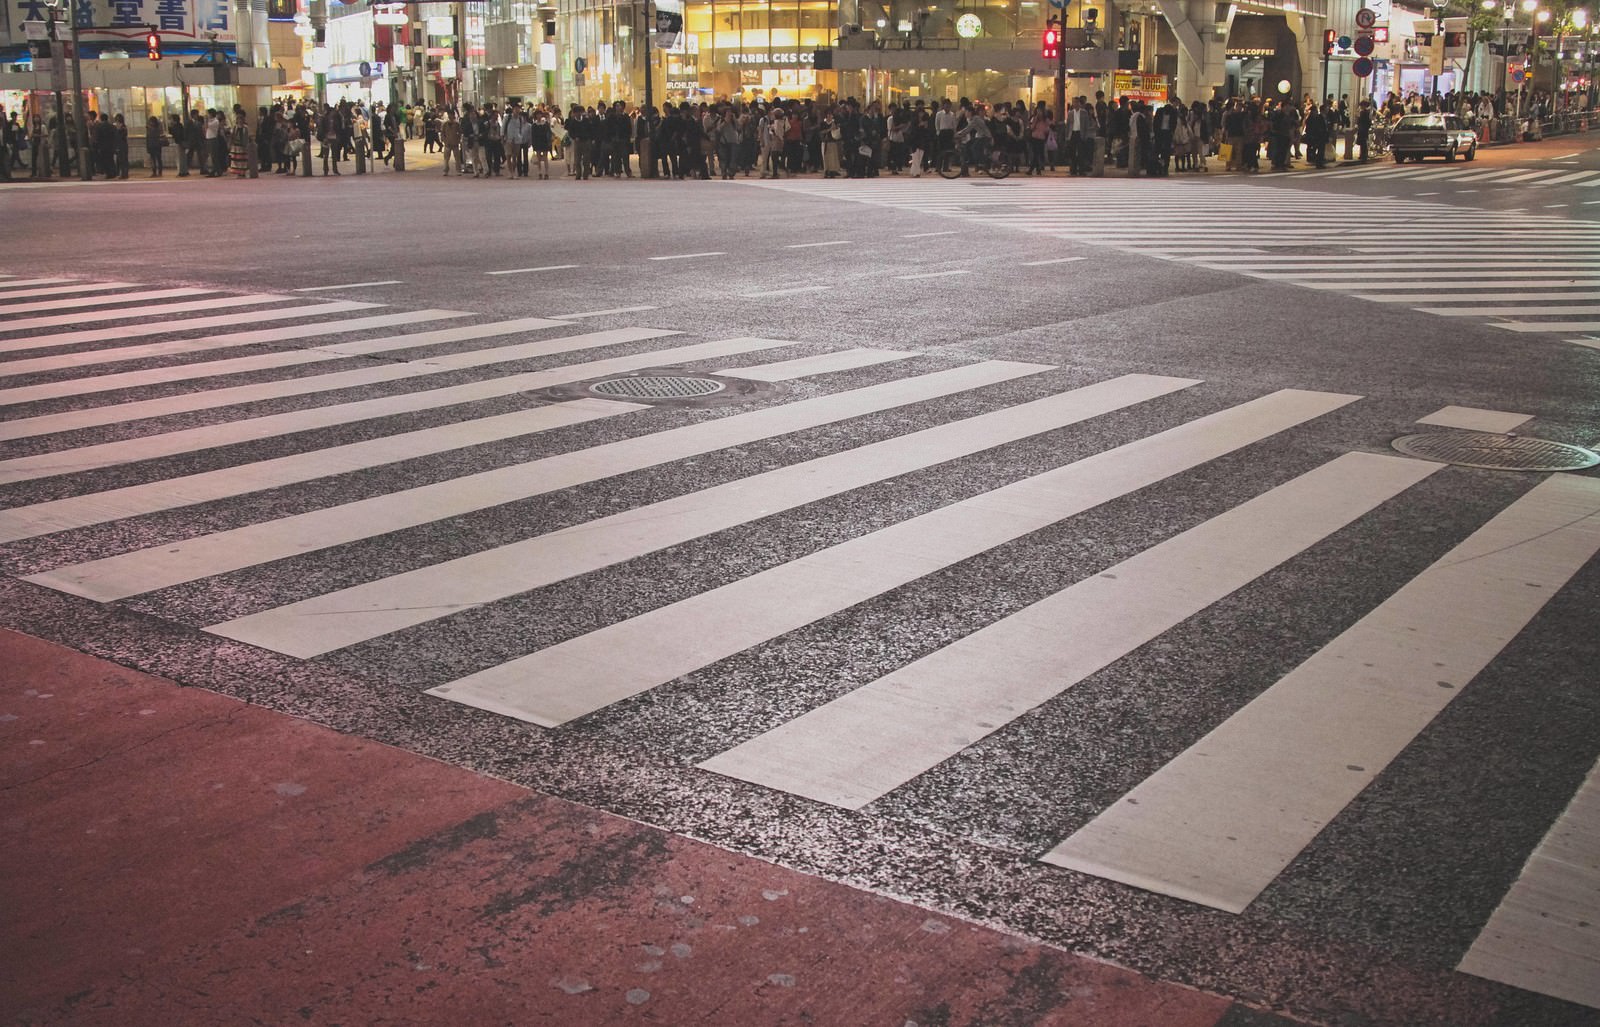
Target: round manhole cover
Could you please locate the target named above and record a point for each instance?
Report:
(1496, 452)
(658, 386)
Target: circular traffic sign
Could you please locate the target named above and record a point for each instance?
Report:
(1365, 18)
(1361, 67)
(1344, 42)
(1517, 74)
(1364, 46)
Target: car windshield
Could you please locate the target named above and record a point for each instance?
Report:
(1422, 121)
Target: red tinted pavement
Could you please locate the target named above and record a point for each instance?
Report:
(177, 857)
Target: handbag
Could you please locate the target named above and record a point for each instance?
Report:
(864, 150)
(1050, 140)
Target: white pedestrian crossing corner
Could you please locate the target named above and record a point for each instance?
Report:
(102, 426)
(1524, 273)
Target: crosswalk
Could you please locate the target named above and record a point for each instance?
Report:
(1403, 252)
(1458, 174)
(100, 462)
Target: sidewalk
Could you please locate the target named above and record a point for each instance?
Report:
(177, 857)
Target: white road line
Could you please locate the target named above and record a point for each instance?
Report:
(1567, 156)
(18, 283)
(586, 673)
(62, 320)
(148, 447)
(61, 290)
(228, 482)
(1425, 194)
(210, 399)
(783, 292)
(352, 285)
(1057, 260)
(216, 342)
(823, 363)
(1220, 821)
(691, 256)
(811, 245)
(1552, 206)
(530, 270)
(926, 235)
(602, 313)
(81, 302)
(1541, 309)
(1474, 419)
(1542, 936)
(260, 362)
(1548, 326)
(1573, 176)
(866, 743)
(324, 623)
(932, 274)
(242, 547)
(163, 327)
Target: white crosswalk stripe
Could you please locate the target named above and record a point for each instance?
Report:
(1435, 172)
(1283, 235)
(1216, 822)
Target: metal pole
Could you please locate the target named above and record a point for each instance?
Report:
(1061, 71)
(84, 171)
(55, 80)
(649, 84)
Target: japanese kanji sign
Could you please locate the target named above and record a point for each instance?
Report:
(116, 20)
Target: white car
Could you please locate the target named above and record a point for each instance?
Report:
(1416, 136)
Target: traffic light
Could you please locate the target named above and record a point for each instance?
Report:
(152, 45)
(1051, 49)
(1329, 37)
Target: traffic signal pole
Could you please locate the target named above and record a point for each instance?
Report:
(85, 171)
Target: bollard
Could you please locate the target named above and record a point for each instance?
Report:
(361, 158)
(398, 148)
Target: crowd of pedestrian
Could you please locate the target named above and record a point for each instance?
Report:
(772, 138)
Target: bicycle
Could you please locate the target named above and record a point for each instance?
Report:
(954, 164)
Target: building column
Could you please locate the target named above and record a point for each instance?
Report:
(1202, 45)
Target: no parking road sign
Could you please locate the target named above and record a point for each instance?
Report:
(1361, 67)
(1365, 18)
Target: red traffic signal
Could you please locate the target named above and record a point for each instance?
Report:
(152, 45)
(1329, 37)
(1051, 48)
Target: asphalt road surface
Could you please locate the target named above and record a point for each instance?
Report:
(1042, 556)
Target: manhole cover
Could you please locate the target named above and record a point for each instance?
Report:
(1496, 452)
(657, 386)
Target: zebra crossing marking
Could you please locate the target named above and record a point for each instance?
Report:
(171, 493)
(256, 362)
(147, 447)
(586, 673)
(1216, 824)
(61, 290)
(84, 302)
(166, 327)
(87, 317)
(871, 740)
(1474, 419)
(1542, 936)
(823, 363)
(362, 612)
(229, 482)
(115, 354)
(19, 283)
(203, 556)
(90, 417)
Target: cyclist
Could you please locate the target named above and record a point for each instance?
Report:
(974, 136)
